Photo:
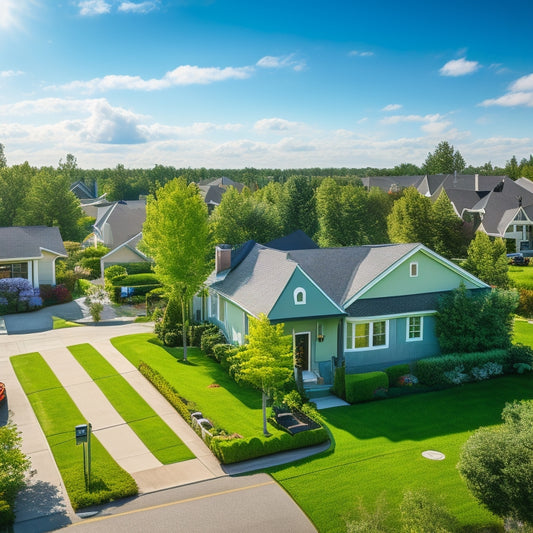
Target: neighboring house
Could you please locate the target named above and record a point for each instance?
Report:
(30, 252)
(119, 222)
(127, 252)
(370, 306)
(213, 190)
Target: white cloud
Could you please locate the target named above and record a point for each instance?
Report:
(94, 7)
(274, 124)
(134, 7)
(520, 93)
(10, 73)
(397, 119)
(459, 67)
(13, 12)
(360, 54)
(392, 107)
(183, 75)
(288, 61)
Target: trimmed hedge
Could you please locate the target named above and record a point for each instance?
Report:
(221, 353)
(339, 382)
(135, 280)
(362, 387)
(210, 340)
(395, 372)
(236, 450)
(430, 371)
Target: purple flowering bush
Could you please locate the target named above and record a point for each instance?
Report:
(18, 295)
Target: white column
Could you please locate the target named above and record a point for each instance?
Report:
(30, 272)
(36, 274)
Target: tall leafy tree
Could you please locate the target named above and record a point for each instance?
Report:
(444, 160)
(448, 236)
(176, 236)
(50, 202)
(15, 183)
(487, 259)
(3, 159)
(298, 206)
(329, 207)
(411, 219)
(266, 361)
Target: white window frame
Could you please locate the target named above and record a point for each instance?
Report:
(353, 323)
(408, 327)
(413, 270)
(297, 292)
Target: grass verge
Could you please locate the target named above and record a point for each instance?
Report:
(165, 445)
(58, 416)
(201, 380)
(60, 323)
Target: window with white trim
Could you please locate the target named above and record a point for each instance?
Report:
(212, 305)
(415, 328)
(360, 335)
(299, 296)
(413, 270)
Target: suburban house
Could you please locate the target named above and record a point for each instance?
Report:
(127, 252)
(369, 306)
(212, 190)
(30, 252)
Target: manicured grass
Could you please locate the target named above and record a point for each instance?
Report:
(60, 323)
(522, 276)
(153, 432)
(523, 332)
(58, 416)
(378, 448)
(231, 407)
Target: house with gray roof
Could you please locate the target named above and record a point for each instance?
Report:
(30, 252)
(369, 306)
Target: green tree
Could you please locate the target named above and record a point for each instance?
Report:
(411, 219)
(69, 168)
(448, 236)
(445, 160)
(298, 206)
(511, 168)
(487, 259)
(176, 236)
(14, 464)
(3, 159)
(118, 184)
(496, 464)
(15, 183)
(266, 361)
(50, 202)
(329, 207)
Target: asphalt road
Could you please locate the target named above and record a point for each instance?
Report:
(228, 504)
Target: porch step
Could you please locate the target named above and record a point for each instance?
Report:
(317, 391)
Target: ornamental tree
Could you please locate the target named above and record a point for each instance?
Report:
(266, 361)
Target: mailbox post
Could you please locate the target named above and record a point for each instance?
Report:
(83, 436)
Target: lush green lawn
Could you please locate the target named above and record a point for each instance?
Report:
(522, 276)
(58, 416)
(154, 433)
(523, 332)
(378, 452)
(60, 323)
(231, 407)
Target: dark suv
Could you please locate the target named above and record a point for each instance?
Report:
(518, 259)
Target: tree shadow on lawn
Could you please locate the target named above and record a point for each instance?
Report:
(423, 416)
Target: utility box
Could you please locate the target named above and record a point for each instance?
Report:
(81, 433)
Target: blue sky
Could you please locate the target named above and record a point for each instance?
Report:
(279, 84)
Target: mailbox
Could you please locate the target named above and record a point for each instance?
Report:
(81, 433)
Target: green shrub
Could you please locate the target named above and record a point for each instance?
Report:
(430, 371)
(112, 272)
(525, 303)
(91, 251)
(519, 355)
(209, 340)
(136, 268)
(363, 387)
(395, 372)
(339, 382)
(293, 400)
(221, 353)
(7, 516)
(92, 264)
(197, 330)
(173, 338)
(135, 280)
(235, 450)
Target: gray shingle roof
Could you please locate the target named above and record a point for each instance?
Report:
(26, 242)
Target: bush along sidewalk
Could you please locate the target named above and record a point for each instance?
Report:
(230, 448)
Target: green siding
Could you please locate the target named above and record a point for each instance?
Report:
(433, 276)
(317, 303)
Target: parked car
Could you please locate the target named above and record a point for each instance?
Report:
(518, 259)
(2, 393)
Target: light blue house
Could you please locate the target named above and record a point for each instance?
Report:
(371, 306)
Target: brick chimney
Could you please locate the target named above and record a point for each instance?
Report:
(222, 257)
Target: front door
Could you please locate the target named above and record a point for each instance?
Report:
(301, 350)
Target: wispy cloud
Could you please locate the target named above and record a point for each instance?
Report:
(13, 12)
(89, 8)
(288, 61)
(459, 67)
(138, 7)
(10, 73)
(275, 124)
(520, 93)
(360, 53)
(430, 124)
(392, 107)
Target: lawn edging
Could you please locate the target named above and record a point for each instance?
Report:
(231, 448)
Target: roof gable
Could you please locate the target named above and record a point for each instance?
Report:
(27, 242)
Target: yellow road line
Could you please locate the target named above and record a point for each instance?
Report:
(168, 504)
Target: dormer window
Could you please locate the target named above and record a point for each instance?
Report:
(299, 296)
(413, 270)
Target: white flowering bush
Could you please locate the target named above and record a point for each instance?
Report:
(457, 375)
(487, 371)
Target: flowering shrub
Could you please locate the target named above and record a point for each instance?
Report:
(55, 295)
(456, 376)
(407, 380)
(17, 294)
(486, 371)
